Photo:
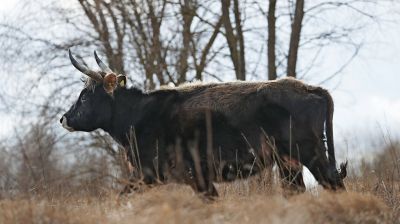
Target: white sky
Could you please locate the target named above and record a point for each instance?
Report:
(7, 5)
(369, 94)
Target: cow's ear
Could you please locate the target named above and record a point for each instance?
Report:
(121, 79)
(110, 83)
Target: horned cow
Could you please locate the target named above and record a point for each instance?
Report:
(199, 132)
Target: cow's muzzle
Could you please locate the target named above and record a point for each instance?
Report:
(64, 123)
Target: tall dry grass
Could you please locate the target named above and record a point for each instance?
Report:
(248, 201)
(88, 193)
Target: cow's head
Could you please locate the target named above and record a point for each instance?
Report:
(93, 109)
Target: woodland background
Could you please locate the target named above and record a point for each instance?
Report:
(169, 42)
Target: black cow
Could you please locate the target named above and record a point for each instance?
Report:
(196, 133)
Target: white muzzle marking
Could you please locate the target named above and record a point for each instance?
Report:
(65, 125)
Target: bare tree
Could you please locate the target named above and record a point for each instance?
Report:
(271, 40)
(144, 21)
(7, 181)
(295, 38)
(188, 13)
(37, 165)
(200, 64)
(107, 33)
(130, 34)
(235, 39)
(296, 18)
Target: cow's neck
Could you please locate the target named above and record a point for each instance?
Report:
(127, 111)
(134, 110)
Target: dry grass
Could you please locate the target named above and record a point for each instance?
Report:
(240, 202)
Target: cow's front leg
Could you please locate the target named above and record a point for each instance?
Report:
(140, 182)
(291, 173)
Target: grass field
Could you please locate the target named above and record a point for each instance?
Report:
(249, 201)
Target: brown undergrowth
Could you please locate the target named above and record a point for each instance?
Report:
(247, 201)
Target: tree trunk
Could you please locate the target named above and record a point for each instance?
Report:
(188, 14)
(295, 38)
(235, 53)
(240, 39)
(156, 47)
(271, 40)
(204, 53)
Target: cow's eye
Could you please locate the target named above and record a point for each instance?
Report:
(83, 99)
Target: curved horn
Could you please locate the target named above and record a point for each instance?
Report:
(85, 70)
(101, 64)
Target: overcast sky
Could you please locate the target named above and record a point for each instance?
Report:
(368, 95)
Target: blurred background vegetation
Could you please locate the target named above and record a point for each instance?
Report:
(164, 42)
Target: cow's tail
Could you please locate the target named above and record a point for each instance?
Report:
(329, 129)
(329, 134)
(328, 124)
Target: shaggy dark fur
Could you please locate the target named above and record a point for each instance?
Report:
(217, 132)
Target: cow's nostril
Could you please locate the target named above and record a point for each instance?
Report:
(61, 119)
